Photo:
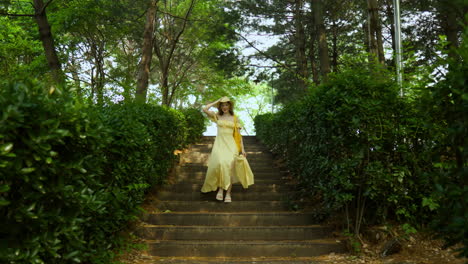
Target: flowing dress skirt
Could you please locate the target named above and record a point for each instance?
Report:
(221, 163)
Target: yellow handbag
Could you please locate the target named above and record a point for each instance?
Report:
(237, 136)
(241, 167)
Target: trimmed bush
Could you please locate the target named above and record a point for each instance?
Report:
(378, 157)
(354, 142)
(73, 175)
(195, 124)
(446, 106)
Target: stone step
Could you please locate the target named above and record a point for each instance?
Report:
(200, 175)
(258, 167)
(186, 248)
(264, 180)
(238, 260)
(230, 219)
(220, 233)
(203, 161)
(196, 187)
(219, 206)
(250, 139)
(248, 149)
(203, 158)
(250, 154)
(251, 144)
(247, 195)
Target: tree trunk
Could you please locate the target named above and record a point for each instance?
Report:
(147, 53)
(301, 59)
(312, 49)
(98, 74)
(448, 16)
(334, 47)
(365, 29)
(391, 21)
(166, 54)
(47, 40)
(165, 85)
(322, 39)
(76, 77)
(313, 64)
(375, 31)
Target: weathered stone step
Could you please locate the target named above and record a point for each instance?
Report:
(248, 143)
(248, 149)
(264, 180)
(258, 167)
(249, 139)
(244, 248)
(202, 159)
(219, 206)
(244, 260)
(250, 154)
(196, 187)
(233, 232)
(231, 219)
(247, 195)
(200, 175)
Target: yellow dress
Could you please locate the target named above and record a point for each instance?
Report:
(220, 171)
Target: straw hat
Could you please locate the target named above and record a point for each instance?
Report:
(225, 99)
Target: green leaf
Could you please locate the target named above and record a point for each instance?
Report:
(27, 170)
(4, 188)
(4, 202)
(5, 148)
(428, 202)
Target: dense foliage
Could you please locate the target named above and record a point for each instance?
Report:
(447, 106)
(376, 156)
(72, 175)
(357, 144)
(102, 59)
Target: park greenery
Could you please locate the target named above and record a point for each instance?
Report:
(95, 97)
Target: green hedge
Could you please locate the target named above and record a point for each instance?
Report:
(377, 157)
(446, 105)
(73, 175)
(356, 144)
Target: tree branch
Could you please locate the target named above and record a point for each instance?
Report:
(273, 59)
(45, 6)
(16, 15)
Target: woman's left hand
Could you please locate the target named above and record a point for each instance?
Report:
(243, 153)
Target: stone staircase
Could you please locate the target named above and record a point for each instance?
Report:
(257, 227)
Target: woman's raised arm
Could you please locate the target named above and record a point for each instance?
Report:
(207, 107)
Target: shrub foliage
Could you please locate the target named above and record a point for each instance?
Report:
(376, 156)
(73, 175)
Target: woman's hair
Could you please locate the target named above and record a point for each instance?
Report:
(231, 110)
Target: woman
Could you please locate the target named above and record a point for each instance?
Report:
(220, 174)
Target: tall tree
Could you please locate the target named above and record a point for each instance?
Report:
(171, 29)
(451, 16)
(147, 53)
(300, 43)
(316, 6)
(45, 34)
(312, 50)
(375, 31)
(47, 39)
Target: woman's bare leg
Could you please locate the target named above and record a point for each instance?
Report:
(228, 199)
(219, 195)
